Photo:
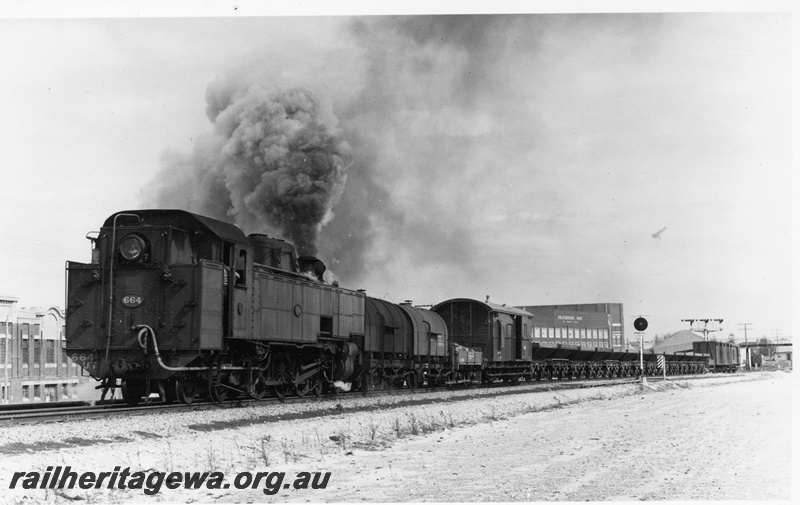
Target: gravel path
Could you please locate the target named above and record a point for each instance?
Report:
(726, 437)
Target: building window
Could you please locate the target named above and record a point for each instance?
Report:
(25, 351)
(37, 351)
(51, 351)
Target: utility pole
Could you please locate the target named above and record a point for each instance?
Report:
(745, 327)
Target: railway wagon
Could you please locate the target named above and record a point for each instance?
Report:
(723, 356)
(181, 304)
(501, 333)
(404, 345)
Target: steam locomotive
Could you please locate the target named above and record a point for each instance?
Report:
(190, 307)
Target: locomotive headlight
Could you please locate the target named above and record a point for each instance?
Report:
(131, 247)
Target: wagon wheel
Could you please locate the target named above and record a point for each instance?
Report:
(133, 390)
(370, 381)
(433, 378)
(412, 381)
(282, 373)
(257, 388)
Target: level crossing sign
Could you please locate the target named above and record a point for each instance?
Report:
(661, 361)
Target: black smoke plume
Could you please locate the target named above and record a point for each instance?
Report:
(275, 162)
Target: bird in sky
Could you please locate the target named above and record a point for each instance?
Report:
(657, 235)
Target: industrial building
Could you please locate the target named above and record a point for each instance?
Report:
(681, 341)
(35, 366)
(585, 325)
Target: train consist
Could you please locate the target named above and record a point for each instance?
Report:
(190, 307)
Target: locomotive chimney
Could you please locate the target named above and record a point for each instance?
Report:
(311, 265)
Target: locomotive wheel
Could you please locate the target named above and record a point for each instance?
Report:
(257, 390)
(281, 373)
(184, 390)
(311, 385)
(133, 390)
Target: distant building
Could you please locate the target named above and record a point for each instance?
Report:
(677, 342)
(783, 352)
(585, 325)
(781, 357)
(34, 364)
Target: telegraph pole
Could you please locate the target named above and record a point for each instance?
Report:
(745, 327)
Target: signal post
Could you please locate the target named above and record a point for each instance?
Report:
(641, 324)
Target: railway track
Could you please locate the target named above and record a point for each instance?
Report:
(72, 411)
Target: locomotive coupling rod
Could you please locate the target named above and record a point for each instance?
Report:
(315, 367)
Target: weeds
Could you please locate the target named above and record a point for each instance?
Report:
(341, 437)
(264, 449)
(287, 453)
(211, 459)
(413, 424)
(372, 429)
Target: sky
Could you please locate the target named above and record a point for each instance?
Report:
(530, 157)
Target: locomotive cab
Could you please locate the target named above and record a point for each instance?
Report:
(181, 276)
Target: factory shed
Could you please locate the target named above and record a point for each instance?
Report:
(677, 342)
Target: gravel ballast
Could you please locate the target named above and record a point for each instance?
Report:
(684, 439)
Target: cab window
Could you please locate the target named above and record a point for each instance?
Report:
(181, 248)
